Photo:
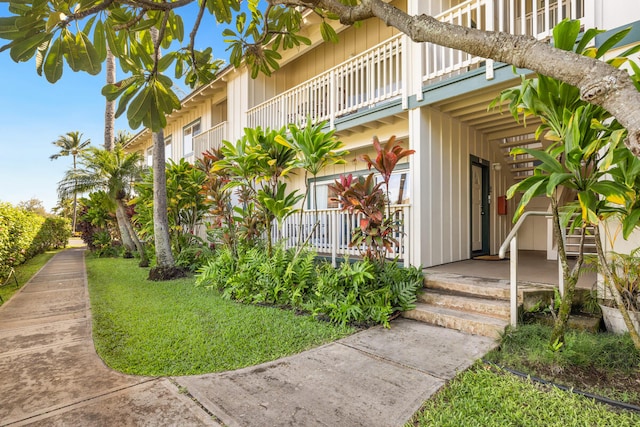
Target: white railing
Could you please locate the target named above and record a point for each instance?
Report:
(333, 232)
(209, 139)
(511, 242)
(369, 78)
(525, 17)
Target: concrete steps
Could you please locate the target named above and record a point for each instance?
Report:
(469, 304)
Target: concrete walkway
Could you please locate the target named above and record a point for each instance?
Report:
(50, 373)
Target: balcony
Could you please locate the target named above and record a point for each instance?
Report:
(366, 80)
(376, 75)
(209, 139)
(521, 17)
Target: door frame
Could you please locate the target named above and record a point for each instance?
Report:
(485, 167)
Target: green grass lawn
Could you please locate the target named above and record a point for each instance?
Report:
(486, 396)
(173, 328)
(602, 364)
(24, 272)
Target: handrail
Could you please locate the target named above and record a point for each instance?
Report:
(514, 230)
(512, 241)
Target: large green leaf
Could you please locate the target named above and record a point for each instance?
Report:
(100, 41)
(25, 49)
(53, 63)
(88, 57)
(565, 34)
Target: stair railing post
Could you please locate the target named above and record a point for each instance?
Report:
(513, 278)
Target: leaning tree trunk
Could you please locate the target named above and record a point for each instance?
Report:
(144, 261)
(609, 282)
(110, 107)
(127, 241)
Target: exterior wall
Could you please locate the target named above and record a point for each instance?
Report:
(440, 188)
(321, 58)
(613, 14)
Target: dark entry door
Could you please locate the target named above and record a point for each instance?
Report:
(479, 206)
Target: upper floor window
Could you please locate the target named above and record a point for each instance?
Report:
(168, 151)
(189, 132)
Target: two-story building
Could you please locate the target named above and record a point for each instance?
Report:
(376, 81)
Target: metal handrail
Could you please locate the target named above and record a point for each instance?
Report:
(512, 242)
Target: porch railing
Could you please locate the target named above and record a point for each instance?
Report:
(369, 78)
(209, 139)
(334, 229)
(524, 17)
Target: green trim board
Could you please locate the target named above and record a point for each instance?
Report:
(632, 37)
(465, 84)
(366, 115)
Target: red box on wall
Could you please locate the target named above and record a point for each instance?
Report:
(502, 205)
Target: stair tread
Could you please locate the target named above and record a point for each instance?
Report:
(474, 317)
(480, 299)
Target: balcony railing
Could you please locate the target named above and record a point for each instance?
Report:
(375, 76)
(529, 17)
(334, 229)
(369, 78)
(209, 139)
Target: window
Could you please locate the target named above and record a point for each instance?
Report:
(150, 156)
(398, 190)
(167, 149)
(189, 132)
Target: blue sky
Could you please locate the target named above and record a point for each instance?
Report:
(34, 112)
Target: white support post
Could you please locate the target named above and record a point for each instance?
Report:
(489, 19)
(334, 237)
(406, 241)
(513, 278)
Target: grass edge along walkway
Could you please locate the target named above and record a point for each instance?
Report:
(173, 328)
(485, 395)
(24, 273)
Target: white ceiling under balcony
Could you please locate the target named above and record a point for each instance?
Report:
(495, 123)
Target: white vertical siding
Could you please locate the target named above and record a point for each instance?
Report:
(440, 187)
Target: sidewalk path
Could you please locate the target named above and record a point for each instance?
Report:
(51, 375)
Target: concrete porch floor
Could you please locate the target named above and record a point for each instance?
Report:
(533, 267)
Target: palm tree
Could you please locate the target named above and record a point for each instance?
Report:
(113, 172)
(71, 144)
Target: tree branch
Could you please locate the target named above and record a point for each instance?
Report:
(599, 83)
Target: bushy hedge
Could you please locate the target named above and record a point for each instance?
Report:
(24, 234)
(361, 292)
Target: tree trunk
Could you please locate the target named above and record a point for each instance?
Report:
(121, 219)
(570, 276)
(165, 268)
(609, 282)
(110, 107)
(144, 261)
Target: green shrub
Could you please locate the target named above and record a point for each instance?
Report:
(24, 234)
(360, 292)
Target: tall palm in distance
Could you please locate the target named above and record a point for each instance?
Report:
(71, 144)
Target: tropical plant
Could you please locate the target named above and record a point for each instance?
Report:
(96, 215)
(387, 158)
(315, 150)
(71, 144)
(186, 203)
(222, 228)
(362, 196)
(585, 144)
(113, 172)
(360, 292)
